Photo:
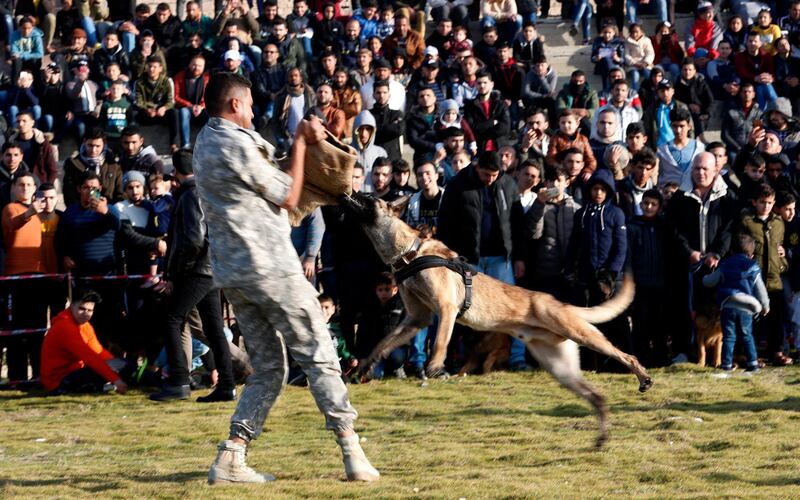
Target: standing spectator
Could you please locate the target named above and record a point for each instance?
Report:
(155, 99)
(188, 284)
(767, 229)
(27, 49)
(84, 106)
(578, 96)
(291, 105)
(74, 361)
(596, 254)
(307, 240)
(481, 218)
(582, 15)
(92, 159)
(488, 115)
(38, 154)
(364, 143)
(656, 117)
(677, 155)
(55, 291)
(640, 180)
(190, 89)
(268, 79)
(567, 138)
(405, 37)
(549, 222)
(12, 167)
(166, 28)
(648, 243)
(389, 123)
(22, 237)
(196, 22)
(701, 215)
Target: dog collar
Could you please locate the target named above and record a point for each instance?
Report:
(408, 255)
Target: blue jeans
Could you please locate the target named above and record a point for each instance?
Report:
(185, 118)
(506, 30)
(659, 9)
(417, 355)
(583, 16)
(736, 322)
(128, 41)
(765, 93)
(13, 111)
(94, 32)
(637, 75)
(499, 267)
(395, 360)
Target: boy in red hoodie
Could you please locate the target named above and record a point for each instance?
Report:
(72, 358)
(703, 36)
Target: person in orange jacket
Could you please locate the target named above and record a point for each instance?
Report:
(72, 358)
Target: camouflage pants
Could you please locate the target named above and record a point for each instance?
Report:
(275, 316)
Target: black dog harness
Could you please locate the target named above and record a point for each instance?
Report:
(409, 264)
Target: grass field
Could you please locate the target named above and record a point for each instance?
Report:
(498, 436)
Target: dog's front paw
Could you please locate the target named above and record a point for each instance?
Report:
(437, 371)
(645, 384)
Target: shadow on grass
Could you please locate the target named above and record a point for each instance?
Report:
(100, 484)
(787, 404)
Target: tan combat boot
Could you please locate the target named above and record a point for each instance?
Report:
(356, 465)
(230, 466)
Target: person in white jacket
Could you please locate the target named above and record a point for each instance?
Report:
(639, 55)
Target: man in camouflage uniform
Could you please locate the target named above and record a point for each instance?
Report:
(245, 196)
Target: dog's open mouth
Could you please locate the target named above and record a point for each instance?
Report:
(359, 205)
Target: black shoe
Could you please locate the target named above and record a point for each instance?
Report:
(172, 393)
(419, 372)
(218, 395)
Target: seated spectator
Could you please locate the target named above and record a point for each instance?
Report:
(401, 173)
(404, 36)
(136, 156)
(464, 86)
(579, 98)
(327, 31)
(22, 97)
(676, 156)
(442, 37)
(301, 24)
(667, 48)
(420, 125)
(528, 47)
(84, 107)
(693, 90)
(423, 206)
(155, 99)
(625, 109)
(488, 115)
(27, 48)
(268, 79)
(568, 137)
(347, 361)
(639, 55)
(703, 36)
(381, 179)
(346, 96)
(67, 19)
(539, 89)
(270, 14)
(534, 140)
(51, 99)
(190, 86)
(94, 19)
(92, 159)
(605, 133)
(504, 15)
(38, 154)
(767, 30)
(756, 65)
(196, 22)
(450, 117)
(582, 15)
(721, 71)
(291, 50)
(386, 22)
(146, 47)
(607, 50)
(73, 360)
(334, 117)
(736, 34)
(240, 12)
(165, 27)
(364, 143)
(74, 55)
(738, 119)
(116, 113)
(636, 138)
(389, 123)
(787, 69)
(110, 51)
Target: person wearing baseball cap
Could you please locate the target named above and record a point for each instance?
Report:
(656, 116)
(232, 61)
(704, 36)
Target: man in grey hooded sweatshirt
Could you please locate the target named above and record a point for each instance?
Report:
(364, 142)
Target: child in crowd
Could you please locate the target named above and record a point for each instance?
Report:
(116, 114)
(378, 323)
(703, 36)
(786, 206)
(300, 22)
(608, 50)
(386, 24)
(347, 360)
(667, 48)
(767, 230)
(669, 189)
(648, 239)
(450, 116)
(741, 294)
(401, 172)
(568, 136)
(735, 35)
(676, 156)
(768, 31)
(461, 42)
(528, 47)
(639, 55)
(635, 137)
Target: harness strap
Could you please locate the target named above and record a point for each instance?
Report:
(430, 261)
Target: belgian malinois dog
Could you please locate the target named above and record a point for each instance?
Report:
(551, 329)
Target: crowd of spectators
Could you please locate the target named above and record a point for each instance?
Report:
(558, 189)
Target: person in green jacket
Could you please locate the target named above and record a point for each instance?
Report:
(155, 99)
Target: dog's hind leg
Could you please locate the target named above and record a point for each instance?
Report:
(562, 361)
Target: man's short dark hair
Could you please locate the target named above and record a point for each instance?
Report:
(756, 160)
(619, 81)
(380, 83)
(130, 130)
(24, 174)
(576, 73)
(490, 160)
(182, 161)
(95, 133)
(744, 243)
(679, 115)
(400, 165)
(154, 59)
(81, 296)
(635, 128)
(645, 156)
(26, 112)
(380, 162)
(11, 145)
(484, 73)
(220, 89)
(715, 145)
(553, 174)
(385, 278)
(162, 7)
(90, 175)
(782, 199)
(278, 21)
(142, 8)
(46, 186)
(763, 190)
(654, 194)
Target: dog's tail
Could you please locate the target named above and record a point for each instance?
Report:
(609, 309)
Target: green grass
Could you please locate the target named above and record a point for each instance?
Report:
(503, 435)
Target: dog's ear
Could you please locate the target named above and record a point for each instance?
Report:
(398, 206)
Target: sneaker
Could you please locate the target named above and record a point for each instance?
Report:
(680, 359)
(400, 373)
(519, 367)
(230, 466)
(356, 465)
(171, 393)
(419, 372)
(217, 395)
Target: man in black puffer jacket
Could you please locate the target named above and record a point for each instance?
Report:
(189, 284)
